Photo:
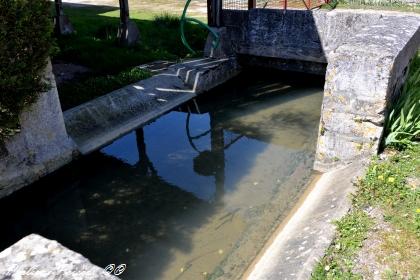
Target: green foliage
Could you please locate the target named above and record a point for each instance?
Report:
(167, 20)
(25, 43)
(385, 186)
(403, 124)
(75, 93)
(331, 5)
(95, 44)
(395, 5)
(338, 262)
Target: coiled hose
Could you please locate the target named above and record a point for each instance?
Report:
(184, 19)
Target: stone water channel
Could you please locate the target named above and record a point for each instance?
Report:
(192, 195)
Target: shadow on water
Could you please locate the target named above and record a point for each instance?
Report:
(197, 191)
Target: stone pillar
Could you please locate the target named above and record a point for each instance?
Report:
(62, 22)
(214, 12)
(360, 84)
(128, 33)
(41, 146)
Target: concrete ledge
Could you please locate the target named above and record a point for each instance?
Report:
(38, 258)
(303, 239)
(97, 123)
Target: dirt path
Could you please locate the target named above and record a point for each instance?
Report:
(197, 7)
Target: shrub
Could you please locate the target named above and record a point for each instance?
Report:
(25, 43)
(403, 124)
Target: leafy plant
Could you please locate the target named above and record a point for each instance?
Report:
(331, 5)
(405, 128)
(25, 43)
(389, 185)
(403, 124)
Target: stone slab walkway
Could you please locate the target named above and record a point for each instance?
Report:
(96, 123)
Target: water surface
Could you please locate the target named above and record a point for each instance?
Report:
(193, 195)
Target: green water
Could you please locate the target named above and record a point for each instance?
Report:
(193, 195)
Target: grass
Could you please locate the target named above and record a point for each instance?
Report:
(386, 186)
(338, 260)
(393, 5)
(72, 94)
(95, 46)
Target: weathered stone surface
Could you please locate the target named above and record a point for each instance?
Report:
(63, 25)
(128, 34)
(40, 147)
(310, 67)
(307, 234)
(38, 258)
(364, 76)
(102, 120)
(366, 52)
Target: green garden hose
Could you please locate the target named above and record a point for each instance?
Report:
(184, 19)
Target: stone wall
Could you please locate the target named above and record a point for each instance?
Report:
(40, 147)
(366, 53)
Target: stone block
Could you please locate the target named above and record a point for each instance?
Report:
(37, 258)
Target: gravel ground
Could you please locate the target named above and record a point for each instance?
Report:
(196, 8)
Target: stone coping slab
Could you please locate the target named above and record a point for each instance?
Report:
(37, 258)
(97, 123)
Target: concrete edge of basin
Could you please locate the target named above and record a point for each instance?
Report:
(301, 240)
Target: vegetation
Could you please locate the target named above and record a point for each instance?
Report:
(388, 185)
(373, 4)
(338, 261)
(95, 46)
(73, 94)
(25, 43)
(403, 124)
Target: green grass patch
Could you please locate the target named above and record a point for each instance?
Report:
(391, 5)
(72, 94)
(338, 261)
(387, 186)
(95, 46)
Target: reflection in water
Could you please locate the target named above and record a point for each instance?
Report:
(193, 195)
